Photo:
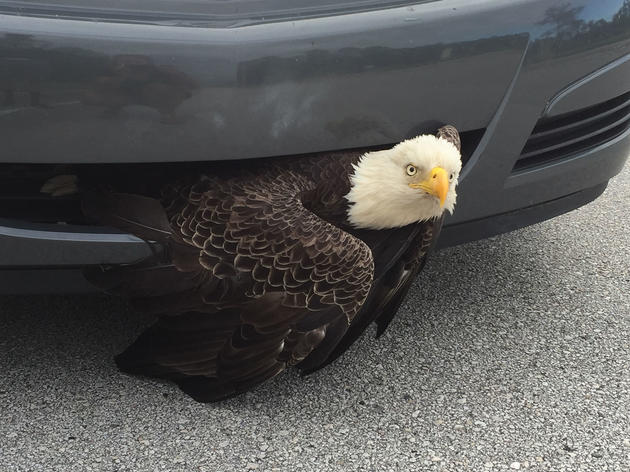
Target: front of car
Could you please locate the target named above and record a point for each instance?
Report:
(538, 89)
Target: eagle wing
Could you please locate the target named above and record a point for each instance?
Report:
(398, 256)
(254, 282)
(398, 280)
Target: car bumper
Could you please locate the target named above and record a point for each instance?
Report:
(41, 261)
(545, 104)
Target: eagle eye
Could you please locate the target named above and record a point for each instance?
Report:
(411, 170)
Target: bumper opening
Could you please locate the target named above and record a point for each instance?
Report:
(20, 184)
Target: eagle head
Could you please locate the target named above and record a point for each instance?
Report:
(411, 182)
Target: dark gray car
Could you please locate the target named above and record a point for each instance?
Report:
(540, 90)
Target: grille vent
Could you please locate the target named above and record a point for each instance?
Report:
(562, 136)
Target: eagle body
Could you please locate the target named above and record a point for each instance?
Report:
(264, 266)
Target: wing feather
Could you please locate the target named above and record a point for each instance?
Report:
(275, 282)
(450, 134)
(396, 272)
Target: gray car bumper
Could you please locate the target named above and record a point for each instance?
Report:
(547, 99)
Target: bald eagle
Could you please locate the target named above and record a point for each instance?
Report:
(280, 263)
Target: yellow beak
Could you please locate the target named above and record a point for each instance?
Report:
(436, 184)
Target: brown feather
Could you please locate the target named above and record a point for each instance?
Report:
(260, 271)
(450, 134)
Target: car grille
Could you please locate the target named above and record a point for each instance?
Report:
(565, 135)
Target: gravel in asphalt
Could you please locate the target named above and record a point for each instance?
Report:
(511, 353)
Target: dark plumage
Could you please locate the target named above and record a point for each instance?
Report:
(260, 268)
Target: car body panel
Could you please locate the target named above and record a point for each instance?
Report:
(146, 93)
(199, 13)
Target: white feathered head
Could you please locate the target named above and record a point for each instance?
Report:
(414, 181)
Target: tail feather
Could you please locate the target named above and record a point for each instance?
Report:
(184, 349)
(139, 215)
(147, 278)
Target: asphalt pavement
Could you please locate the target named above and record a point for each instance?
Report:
(511, 353)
